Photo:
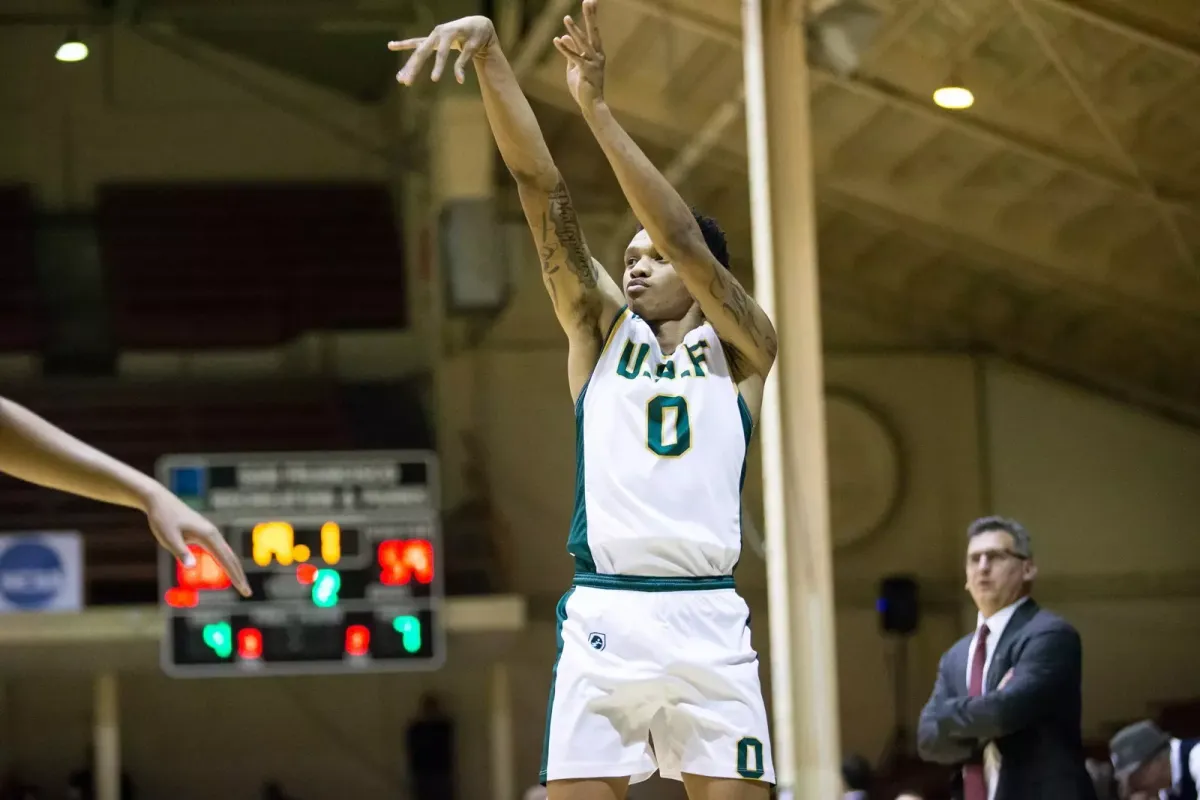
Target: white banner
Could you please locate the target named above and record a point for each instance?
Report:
(41, 572)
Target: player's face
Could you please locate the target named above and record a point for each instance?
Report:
(653, 289)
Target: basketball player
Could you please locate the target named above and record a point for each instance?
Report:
(655, 666)
(34, 450)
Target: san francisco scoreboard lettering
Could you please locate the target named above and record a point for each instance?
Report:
(342, 551)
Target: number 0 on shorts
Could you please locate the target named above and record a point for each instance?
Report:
(750, 758)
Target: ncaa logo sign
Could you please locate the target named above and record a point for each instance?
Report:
(40, 573)
(31, 574)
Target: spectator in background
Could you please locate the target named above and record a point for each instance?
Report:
(535, 792)
(1007, 702)
(82, 783)
(1103, 779)
(14, 788)
(856, 774)
(1147, 760)
(430, 745)
(273, 790)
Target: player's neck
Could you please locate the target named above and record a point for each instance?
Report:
(670, 332)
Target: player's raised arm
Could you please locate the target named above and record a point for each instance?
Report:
(34, 450)
(737, 318)
(585, 297)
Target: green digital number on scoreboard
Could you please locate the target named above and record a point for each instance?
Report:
(342, 551)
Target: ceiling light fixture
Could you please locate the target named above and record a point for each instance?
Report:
(72, 49)
(954, 98)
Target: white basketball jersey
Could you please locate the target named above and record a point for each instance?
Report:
(661, 451)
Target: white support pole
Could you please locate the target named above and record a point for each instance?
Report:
(792, 423)
(501, 734)
(106, 737)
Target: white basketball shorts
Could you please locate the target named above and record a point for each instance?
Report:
(660, 677)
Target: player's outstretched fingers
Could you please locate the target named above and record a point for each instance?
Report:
(172, 541)
(460, 65)
(406, 44)
(417, 60)
(469, 50)
(219, 549)
(566, 46)
(591, 21)
(443, 53)
(582, 45)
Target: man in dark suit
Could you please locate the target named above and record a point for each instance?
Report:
(1005, 708)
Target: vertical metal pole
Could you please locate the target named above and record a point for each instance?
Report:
(503, 774)
(107, 737)
(792, 423)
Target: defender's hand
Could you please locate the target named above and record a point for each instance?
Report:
(471, 35)
(175, 526)
(585, 57)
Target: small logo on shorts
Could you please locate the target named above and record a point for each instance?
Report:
(597, 641)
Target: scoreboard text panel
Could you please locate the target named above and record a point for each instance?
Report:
(342, 552)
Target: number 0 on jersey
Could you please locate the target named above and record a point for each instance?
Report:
(668, 429)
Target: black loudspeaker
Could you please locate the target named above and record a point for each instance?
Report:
(899, 605)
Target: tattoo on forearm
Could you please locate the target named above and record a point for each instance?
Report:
(550, 288)
(740, 306)
(547, 247)
(562, 240)
(561, 244)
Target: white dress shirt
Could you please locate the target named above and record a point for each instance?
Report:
(1193, 766)
(996, 624)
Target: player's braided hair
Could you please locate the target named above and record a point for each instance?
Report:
(714, 237)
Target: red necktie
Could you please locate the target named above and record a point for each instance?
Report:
(974, 785)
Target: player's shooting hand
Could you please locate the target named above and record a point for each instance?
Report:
(585, 57)
(471, 35)
(175, 526)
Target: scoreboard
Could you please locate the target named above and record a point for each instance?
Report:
(343, 554)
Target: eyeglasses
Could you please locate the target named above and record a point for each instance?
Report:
(993, 557)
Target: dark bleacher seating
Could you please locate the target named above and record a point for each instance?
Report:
(1180, 717)
(138, 423)
(19, 318)
(227, 265)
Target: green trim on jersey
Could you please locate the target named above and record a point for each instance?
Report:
(577, 541)
(653, 583)
(747, 424)
(577, 538)
(560, 614)
(747, 430)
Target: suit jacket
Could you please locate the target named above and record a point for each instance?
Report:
(1034, 720)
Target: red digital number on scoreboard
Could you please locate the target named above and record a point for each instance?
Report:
(400, 561)
(206, 575)
(404, 560)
